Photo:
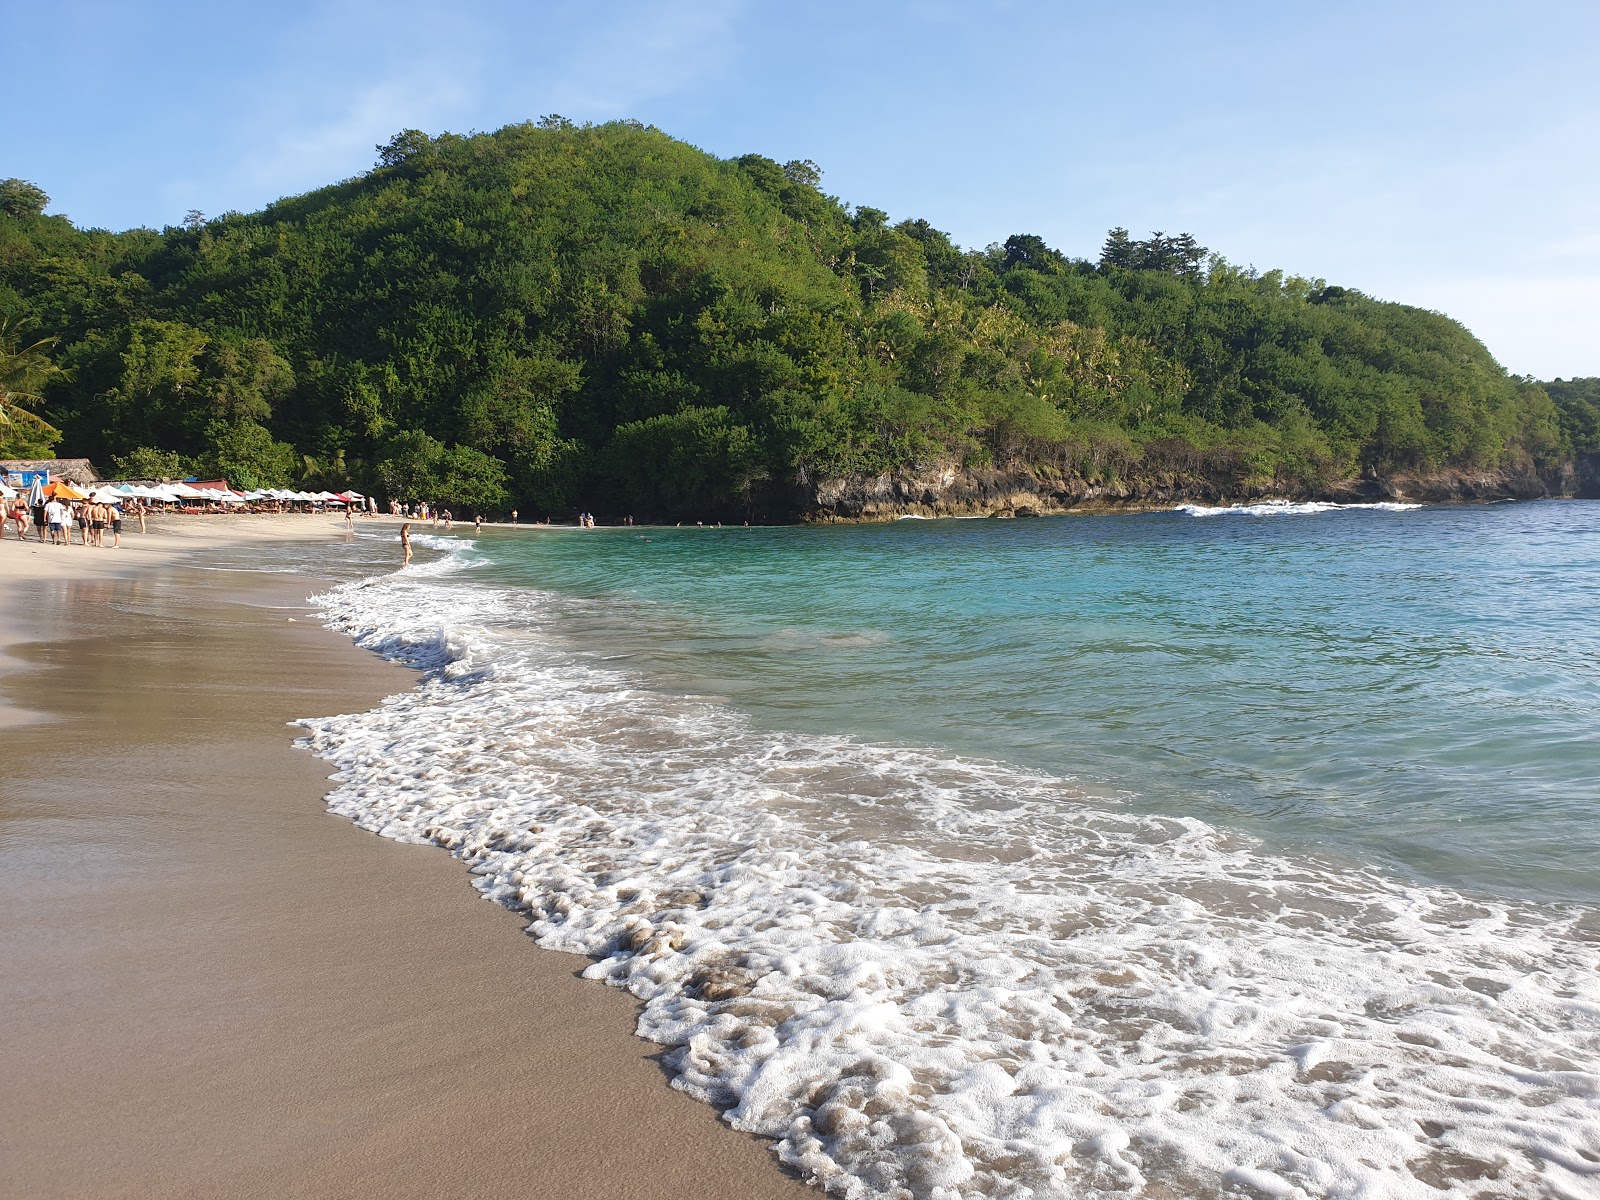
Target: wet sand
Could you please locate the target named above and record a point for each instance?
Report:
(212, 987)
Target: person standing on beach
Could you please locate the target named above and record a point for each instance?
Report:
(349, 520)
(55, 516)
(114, 519)
(139, 510)
(405, 543)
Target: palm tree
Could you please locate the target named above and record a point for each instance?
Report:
(24, 371)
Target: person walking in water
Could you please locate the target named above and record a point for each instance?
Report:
(477, 522)
(405, 543)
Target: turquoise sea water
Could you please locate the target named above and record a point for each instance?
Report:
(1158, 855)
(1418, 690)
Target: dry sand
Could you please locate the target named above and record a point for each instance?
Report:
(212, 987)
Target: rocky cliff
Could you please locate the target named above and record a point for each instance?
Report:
(950, 491)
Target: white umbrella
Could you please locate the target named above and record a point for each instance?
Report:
(10, 493)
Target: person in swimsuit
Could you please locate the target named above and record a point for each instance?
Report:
(405, 542)
(97, 523)
(114, 519)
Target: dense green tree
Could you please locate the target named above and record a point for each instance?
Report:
(19, 198)
(25, 370)
(246, 455)
(563, 316)
(414, 466)
(145, 463)
(1577, 402)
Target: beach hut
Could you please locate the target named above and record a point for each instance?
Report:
(79, 471)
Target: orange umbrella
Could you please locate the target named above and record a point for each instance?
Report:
(64, 491)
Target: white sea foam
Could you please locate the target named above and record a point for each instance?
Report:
(1289, 508)
(925, 976)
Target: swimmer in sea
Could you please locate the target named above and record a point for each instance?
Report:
(405, 542)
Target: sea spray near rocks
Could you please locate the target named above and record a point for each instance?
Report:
(930, 976)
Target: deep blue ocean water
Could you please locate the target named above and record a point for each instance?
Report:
(1417, 690)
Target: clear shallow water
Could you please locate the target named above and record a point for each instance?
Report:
(1044, 859)
(1417, 688)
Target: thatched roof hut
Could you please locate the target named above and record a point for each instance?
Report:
(79, 471)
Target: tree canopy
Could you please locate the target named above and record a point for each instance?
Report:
(560, 316)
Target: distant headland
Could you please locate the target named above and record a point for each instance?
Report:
(553, 317)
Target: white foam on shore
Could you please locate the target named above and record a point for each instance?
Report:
(1289, 508)
(927, 976)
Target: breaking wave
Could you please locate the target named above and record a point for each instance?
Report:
(1289, 508)
(930, 976)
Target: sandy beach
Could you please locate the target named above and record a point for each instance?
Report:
(215, 988)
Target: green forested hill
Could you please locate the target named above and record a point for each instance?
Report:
(551, 316)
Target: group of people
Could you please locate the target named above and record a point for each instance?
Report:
(55, 519)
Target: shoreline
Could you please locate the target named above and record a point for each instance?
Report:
(218, 987)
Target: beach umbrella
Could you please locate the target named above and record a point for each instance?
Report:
(64, 491)
(9, 492)
(36, 493)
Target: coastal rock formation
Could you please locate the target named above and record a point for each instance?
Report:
(947, 490)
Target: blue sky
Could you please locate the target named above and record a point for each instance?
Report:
(1441, 154)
